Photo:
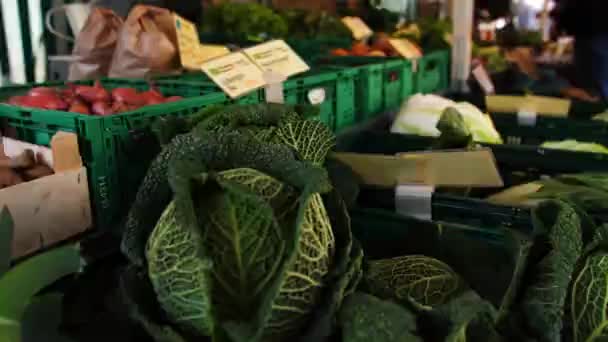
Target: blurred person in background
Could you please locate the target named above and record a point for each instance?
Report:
(584, 19)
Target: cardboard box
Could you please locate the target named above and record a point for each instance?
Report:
(51, 209)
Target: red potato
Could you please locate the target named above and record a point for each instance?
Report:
(17, 100)
(78, 106)
(44, 102)
(92, 94)
(121, 107)
(42, 91)
(128, 96)
(152, 96)
(55, 103)
(102, 108)
(173, 98)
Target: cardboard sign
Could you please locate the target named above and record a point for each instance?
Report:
(358, 27)
(208, 51)
(439, 168)
(191, 52)
(386, 171)
(235, 74)
(460, 168)
(547, 106)
(406, 48)
(277, 57)
(188, 42)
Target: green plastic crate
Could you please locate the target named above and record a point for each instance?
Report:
(545, 129)
(432, 74)
(382, 84)
(517, 164)
(333, 90)
(115, 149)
(475, 253)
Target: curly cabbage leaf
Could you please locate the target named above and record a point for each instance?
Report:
(215, 152)
(365, 318)
(303, 279)
(545, 296)
(589, 298)
(268, 266)
(426, 280)
(180, 278)
(466, 317)
(311, 139)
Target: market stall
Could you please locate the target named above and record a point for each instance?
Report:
(375, 171)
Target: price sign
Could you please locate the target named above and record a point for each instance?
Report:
(358, 27)
(406, 48)
(235, 74)
(277, 57)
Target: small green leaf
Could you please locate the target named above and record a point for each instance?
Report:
(365, 318)
(426, 280)
(26, 279)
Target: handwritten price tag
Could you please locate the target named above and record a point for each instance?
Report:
(235, 74)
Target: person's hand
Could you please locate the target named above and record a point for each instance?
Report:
(579, 94)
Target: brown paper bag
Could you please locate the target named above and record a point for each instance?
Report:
(147, 44)
(95, 45)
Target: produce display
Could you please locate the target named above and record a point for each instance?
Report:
(23, 168)
(246, 227)
(430, 33)
(421, 114)
(90, 100)
(380, 48)
(242, 22)
(312, 24)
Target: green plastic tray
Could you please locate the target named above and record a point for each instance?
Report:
(550, 129)
(115, 149)
(476, 253)
(433, 70)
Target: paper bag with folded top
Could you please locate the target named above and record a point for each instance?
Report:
(95, 45)
(147, 44)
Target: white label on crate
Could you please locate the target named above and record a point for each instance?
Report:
(414, 201)
(526, 118)
(316, 96)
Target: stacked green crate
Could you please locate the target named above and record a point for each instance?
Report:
(115, 149)
(432, 74)
(382, 83)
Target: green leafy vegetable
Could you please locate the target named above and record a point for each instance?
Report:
(245, 248)
(426, 280)
(464, 318)
(242, 22)
(454, 131)
(589, 298)
(366, 318)
(545, 296)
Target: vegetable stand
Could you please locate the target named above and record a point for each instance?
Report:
(115, 149)
(517, 164)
